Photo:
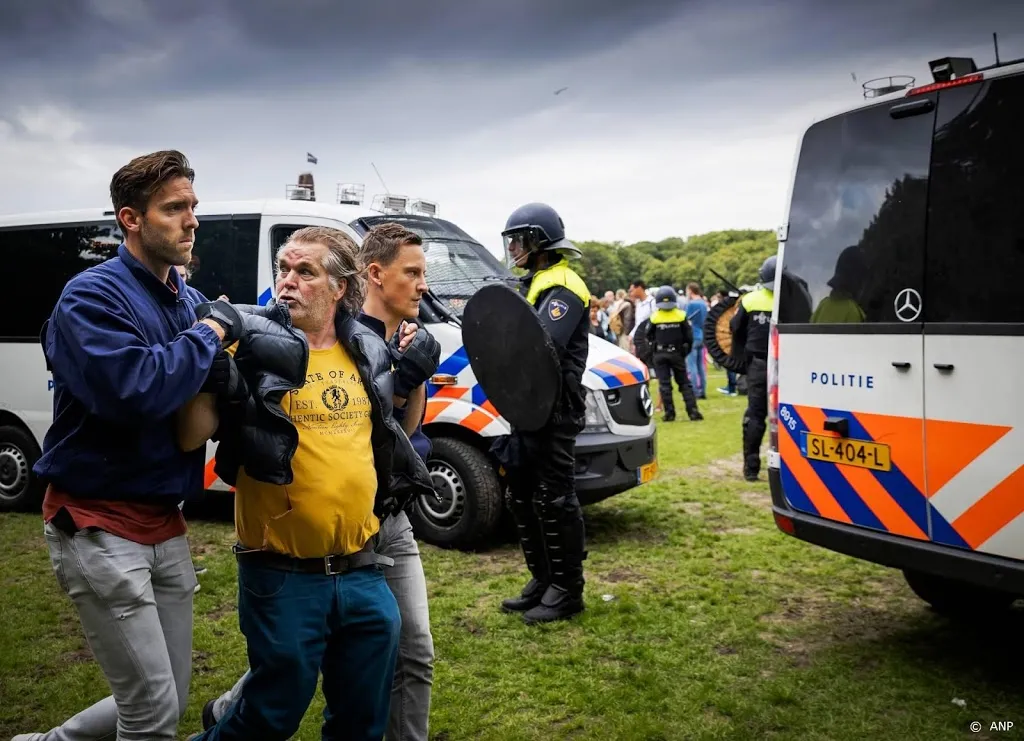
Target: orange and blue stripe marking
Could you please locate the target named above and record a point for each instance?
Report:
(891, 501)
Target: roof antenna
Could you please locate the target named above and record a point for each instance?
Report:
(995, 43)
(380, 178)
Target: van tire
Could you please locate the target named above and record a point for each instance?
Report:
(20, 490)
(953, 598)
(718, 338)
(467, 482)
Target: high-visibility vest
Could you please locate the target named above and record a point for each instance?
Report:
(559, 274)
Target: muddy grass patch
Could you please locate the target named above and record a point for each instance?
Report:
(621, 575)
(758, 499)
(735, 531)
(722, 469)
(698, 509)
(808, 624)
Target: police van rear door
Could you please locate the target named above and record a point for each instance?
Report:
(974, 318)
(850, 344)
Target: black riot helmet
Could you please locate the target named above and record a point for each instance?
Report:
(666, 298)
(535, 228)
(766, 274)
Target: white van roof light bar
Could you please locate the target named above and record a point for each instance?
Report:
(350, 194)
(391, 204)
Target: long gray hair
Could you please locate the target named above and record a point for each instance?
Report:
(341, 261)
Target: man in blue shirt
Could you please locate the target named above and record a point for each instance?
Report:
(696, 313)
(128, 352)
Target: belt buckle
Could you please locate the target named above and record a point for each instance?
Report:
(327, 566)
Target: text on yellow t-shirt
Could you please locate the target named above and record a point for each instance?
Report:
(328, 507)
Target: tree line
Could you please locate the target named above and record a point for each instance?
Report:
(735, 254)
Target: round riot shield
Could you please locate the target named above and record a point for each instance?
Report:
(512, 355)
(718, 335)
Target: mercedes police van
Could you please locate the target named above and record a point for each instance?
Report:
(233, 255)
(896, 407)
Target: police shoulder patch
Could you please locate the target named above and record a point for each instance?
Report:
(557, 309)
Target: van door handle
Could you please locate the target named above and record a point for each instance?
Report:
(944, 367)
(900, 364)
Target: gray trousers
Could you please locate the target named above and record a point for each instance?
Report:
(135, 605)
(414, 671)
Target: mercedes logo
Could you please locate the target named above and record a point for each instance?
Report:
(907, 305)
(645, 401)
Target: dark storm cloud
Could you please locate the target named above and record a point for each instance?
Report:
(74, 36)
(85, 51)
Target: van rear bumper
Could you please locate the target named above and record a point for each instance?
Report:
(607, 464)
(897, 551)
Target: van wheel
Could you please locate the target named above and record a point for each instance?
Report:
(471, 503)
(954, 598)
(19, 489)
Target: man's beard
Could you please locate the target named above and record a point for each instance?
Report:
(312, 316)
(160, 247)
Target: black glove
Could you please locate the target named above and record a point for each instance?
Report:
(224, 379)
(417, 363)
(226, 316)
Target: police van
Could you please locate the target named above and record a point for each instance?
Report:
(896, 408)
(233, 255)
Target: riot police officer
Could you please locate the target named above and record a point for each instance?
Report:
(540, 466)
(751, 327)
(670, 337)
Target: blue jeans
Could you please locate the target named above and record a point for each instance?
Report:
(299, 625)
(731, 380)
(696, 370)
(414, 671)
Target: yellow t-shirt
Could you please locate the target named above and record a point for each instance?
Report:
(328, 507)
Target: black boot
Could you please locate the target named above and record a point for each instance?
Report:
(531, 539)
(530, 597)
(558, 603)
(565, 538)
(695, 415)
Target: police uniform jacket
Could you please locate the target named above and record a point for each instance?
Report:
(561, 299)
(751, 325)
(669, 331)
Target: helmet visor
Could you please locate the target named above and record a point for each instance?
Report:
(520, 244)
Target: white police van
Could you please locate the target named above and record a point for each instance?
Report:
(234, 249)
(896, 407)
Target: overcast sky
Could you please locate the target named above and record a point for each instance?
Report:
(678, 117)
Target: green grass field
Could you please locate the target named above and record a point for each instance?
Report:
(703, 621)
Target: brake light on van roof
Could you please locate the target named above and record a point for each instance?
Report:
(932, 87)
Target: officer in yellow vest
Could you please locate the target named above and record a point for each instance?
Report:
(751, 328)
(540, 465)
(670, 337)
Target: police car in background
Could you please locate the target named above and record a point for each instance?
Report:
(233, 255)
(896, 407)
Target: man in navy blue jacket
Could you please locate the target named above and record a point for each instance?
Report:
(128, 352)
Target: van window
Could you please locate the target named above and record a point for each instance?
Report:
(52, 255)
(224, 258)
(976, 206)
(857, 217)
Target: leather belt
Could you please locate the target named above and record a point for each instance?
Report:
(330, 565)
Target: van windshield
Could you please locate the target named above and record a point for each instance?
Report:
(456, 270)
(457, 265)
